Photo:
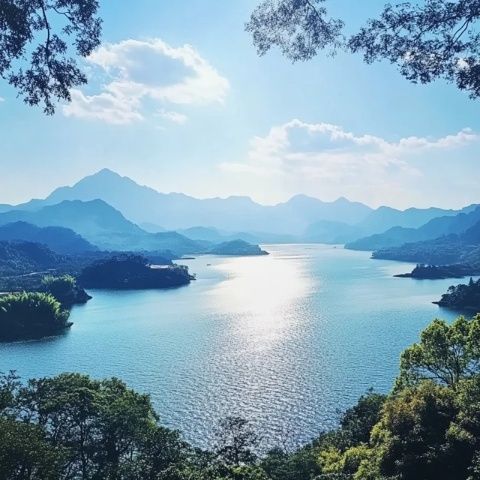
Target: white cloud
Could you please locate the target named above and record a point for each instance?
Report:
(171, 116)
(328, 161)
(142, 74)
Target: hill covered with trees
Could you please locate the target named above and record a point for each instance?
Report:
(60, 240)
(453, 255)
(132, 272)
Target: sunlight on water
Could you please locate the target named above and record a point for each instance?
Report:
(261, 291)
(286, 339)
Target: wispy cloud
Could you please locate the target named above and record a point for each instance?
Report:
(171, 116)
(141, 75)
(326, 160)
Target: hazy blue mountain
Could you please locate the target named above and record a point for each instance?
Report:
(306, 210)
(381, 228)
(176, 211)
(301, 218)
(5, 207)
(205, 234)
(237, 247)
(213, 235)
(457, 250)
(102, 225)
(59, 239)
(151, 227)
(436, 228)
(473, 234)
(326, 231)
(384, 218)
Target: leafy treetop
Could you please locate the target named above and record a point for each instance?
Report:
(46, 35)
(427, 40)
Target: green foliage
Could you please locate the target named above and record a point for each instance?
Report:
(59, 287)
(31, 315)
(446, 353)
(358, 421)
(65, 289)
(236, 442)
(301, 464)
(466, 297)
(26, 454)
(59, 26)
(412, 433)
(426, 40)
(102, 429)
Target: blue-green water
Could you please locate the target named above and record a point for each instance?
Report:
(286, 340)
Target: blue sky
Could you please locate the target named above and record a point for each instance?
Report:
(179, 100)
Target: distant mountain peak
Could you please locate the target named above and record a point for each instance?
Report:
(103, 175)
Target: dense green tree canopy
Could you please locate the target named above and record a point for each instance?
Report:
(446, 353)
(427, 40)
(31, 315)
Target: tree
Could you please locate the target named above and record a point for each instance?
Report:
(445, 354)
(47, 35)
(412, 437)
(25, 454)
(236, 442)
(427, 40)
(358, 421)
(103, 425)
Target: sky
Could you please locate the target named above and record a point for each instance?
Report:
(179, 100)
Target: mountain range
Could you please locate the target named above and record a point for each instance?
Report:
(175, 211)
(453, 249)
(101, 225)
(58, 239)
(301, 218)
(435, 228)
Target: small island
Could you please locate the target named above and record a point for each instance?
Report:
(237, 247)
(132, 272)
(462, 297)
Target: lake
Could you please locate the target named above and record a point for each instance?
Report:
(286, 340)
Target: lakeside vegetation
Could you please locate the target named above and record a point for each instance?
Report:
(132, 272)
(432, 272)
(31, 315)
(73, 427)
(41, 306)
(462, 297)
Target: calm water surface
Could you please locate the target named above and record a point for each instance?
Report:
(286, 340)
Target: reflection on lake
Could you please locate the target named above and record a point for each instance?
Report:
(286, 339)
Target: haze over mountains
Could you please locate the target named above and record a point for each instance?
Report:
(112, 212)
(437, 227)
(302, 216)
(58, 239)
(101, 225)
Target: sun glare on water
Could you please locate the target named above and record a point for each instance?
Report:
(263, 293)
